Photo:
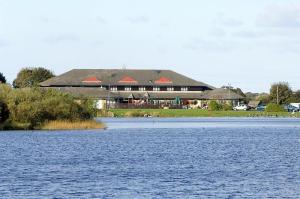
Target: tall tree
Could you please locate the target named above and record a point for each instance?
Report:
(280, 93)
(295, 98)
(30, 77)
(2, 78)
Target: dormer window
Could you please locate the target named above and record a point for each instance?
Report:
(184, 88)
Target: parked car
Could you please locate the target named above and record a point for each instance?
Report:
(290, 108)
(261, 108)
(241, 107)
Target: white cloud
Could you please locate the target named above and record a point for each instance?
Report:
(2, 43)
(139, 19)
(101, 20)
(221, 19)
(217, 32)
(281, 16)
(248, 34)
(62, 38)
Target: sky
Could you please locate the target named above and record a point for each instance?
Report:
(245, 44)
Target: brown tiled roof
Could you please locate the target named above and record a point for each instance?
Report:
(79, 77)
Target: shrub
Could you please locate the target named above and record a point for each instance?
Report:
(4, 112)
(214, 106)
(227, 107)
(274, 108)
(36, 106)
(4, 92)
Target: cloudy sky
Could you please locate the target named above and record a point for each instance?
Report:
(247, 44)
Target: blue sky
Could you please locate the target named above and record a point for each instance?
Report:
(247, 44)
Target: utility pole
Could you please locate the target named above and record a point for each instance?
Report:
(277, 94)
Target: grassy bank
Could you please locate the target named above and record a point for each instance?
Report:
(54, 125)
(196, 113)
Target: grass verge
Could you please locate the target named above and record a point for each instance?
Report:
(196, 113)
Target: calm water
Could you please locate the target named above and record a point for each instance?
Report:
(155, 158)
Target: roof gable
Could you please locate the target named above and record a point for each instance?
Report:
(127, 79)
(91, 80)
(163, 80)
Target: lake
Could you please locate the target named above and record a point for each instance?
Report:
(155, 158)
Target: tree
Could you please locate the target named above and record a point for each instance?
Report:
(2, 78)
(31, 77)
(280, 93)
(295, 98)
(274, 108)
(214, 106)
(34, 106)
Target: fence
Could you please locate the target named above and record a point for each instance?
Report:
(145, 106)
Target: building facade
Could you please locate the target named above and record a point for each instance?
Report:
(123, 88)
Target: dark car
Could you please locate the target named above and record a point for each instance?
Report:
(291, 108)
(261, 108)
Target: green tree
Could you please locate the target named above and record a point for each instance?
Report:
(274, 108)
(295, 98)
(280, 93)
(263, 98)
(214, 106)
(31, 77)
(34, 106)
(5, 90)
(2, 78)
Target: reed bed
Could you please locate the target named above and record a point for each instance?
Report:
(72, 125)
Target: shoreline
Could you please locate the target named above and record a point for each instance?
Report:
(61, 125)
(163, 113)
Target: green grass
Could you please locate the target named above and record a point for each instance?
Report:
(196, 113)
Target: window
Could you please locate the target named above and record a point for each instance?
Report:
(170, 89)
(156, 88)
(113, 88)
(128, 88)
(142, 88)
(184, 88)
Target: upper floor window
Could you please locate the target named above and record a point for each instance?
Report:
(113, 88)
(184, 88)
(127, 88)
(142, 88)
(155, 88)
(170, 89)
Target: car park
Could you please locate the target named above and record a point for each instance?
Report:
(291, 108)
(261, 108)
(241, 107)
